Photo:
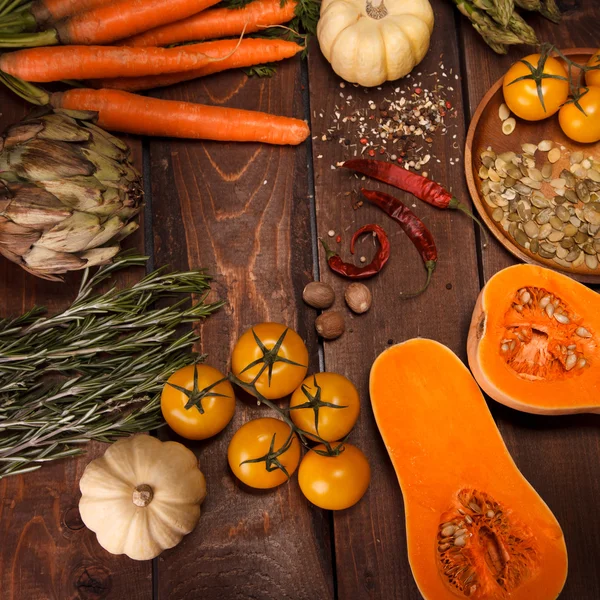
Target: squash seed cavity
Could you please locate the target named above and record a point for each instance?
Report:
(543, 339)
(483, 550)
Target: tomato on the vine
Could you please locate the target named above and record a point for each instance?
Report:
(334, 482)
(582, 126)
(326, 405)
(262, 453)
(197, 402)
(593, 77)
(522, 94)
(271, 357)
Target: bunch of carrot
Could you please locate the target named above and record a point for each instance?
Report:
(74, 44)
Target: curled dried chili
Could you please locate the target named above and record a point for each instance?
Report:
(419, 235)
(351, 271)
(421, 187)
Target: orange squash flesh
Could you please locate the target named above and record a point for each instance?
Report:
(475, 526)
(541, 356)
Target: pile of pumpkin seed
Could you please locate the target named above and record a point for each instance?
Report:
(561, 223)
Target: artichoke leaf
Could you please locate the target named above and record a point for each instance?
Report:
(16, 239)
(99, 256)
(42, 160)
(109, 230)
(80, 193)
(115, 141)
(71, 235)
(22, 132)
(102, 146)
(107, 169)
(62, 129)
(50, 262)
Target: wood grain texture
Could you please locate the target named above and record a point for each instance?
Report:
(370, 537)
(46, 553)
(559, 456)
(242, 212)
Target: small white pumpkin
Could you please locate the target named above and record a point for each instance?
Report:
(142, 496)
(369, 42)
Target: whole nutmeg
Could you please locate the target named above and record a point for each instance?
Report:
(330, 325)
(318, 294)
(358, 298)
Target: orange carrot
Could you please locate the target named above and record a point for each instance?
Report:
(109, 22)
(94, 62)
(55, 10)
(249, 52)
(130, 113)
(218, 23)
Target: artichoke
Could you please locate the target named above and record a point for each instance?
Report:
(68, 193)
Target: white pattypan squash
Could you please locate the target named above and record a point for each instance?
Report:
(142, 496)
(371, 42)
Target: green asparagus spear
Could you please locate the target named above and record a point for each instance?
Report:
(519, 27)
(499, 10)
(551, 11)
(529, 4)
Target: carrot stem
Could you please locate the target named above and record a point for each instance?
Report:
(8, 6)
(29, 40)
(27, 91)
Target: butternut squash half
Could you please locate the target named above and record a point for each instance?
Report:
(534, 342)
(475, 526)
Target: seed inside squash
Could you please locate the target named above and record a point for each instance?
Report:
(490, 552)
(543, 338)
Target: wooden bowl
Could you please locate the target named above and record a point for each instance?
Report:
(485, 130)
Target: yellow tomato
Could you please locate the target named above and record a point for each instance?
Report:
(262, 440)
(522, 96)
(580, 127)
(334, 482)
(329, 388)
(593, 77)
(193, 406)
(282, 370)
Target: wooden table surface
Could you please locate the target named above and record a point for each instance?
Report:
(252, 215)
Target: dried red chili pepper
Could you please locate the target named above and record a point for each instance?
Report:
(421, 187)
(419, 235)
(351, 271)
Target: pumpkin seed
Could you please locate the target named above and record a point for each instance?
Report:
(448, 530)
(554, 155)
(573, 255)
(567, 242)
(531, 229)
(488, 161)
(509, 194)
(521, 238)
(545, 230)
(570, 362)
(493, 176)
(548, 248)
(571, 196)
(490, 200)
(545, 145)
(483, 172)
(559, 199)
(531, 183)
(500, 166)
(562, 319)
(561, 252)
(536, 175)
(529, 148)
(582, 192)
(509, 181)
(497, 215)
(514, 217)
(508, 157)
(512, 228)
(544, 216)
(534, 246)
(563, 214)
(588, 248)
(547, 171)
(540, 202)
(556, 236)
(570, 230)
(575, 221)
(583, 332)
(591, 261)
(562, 262)
(462, 541)
(594, 175)
(545, 301)
(503, 112)
(576, 157)
(514, 173)
(581, 363)
(550, 310)
(522, 188)
(443, 547)
(508, 126)
(578, 262)
(591, 216)
(569, 178)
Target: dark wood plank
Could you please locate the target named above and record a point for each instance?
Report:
(242, 211)
(370, 537)
(558, 455)
(46, 551)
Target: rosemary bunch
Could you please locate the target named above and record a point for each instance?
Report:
(94, 371)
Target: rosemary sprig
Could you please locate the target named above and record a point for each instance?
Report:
(94, 371)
